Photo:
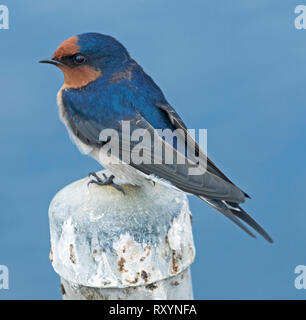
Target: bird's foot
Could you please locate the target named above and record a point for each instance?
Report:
(107, 182)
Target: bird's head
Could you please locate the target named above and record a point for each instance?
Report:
(86, 57)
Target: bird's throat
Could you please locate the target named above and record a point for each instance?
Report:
(80, 76)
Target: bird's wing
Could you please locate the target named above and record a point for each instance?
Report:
(179, 124)
(176, 173)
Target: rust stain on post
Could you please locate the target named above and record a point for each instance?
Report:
(71, 254)
(151, 286)
(121, 263)
(144, 275)
(51, 255)
(63, 291)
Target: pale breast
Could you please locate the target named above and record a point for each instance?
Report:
(84, 148)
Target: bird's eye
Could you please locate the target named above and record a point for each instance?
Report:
(79, 59)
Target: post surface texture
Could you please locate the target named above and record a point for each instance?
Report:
(106, 245)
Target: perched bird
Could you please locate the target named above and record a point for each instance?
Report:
(104, 88)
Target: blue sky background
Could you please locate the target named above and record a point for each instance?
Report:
(237, 68)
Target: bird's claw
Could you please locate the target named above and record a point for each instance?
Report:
(151, 181)
(93, 174)
(109, 181)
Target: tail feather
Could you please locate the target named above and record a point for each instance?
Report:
(233, 211)
(221, 207)
(241, 214)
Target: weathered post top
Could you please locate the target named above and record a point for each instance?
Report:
(101, 238)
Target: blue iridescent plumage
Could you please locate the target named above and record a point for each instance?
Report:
(106, 100)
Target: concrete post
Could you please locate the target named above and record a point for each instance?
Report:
(106, 245)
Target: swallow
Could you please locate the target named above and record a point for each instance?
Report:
(104, 88)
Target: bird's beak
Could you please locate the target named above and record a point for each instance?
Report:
(52, 61)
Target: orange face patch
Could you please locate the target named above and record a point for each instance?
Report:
(67, 48)
(80, 76)
(76, 77)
